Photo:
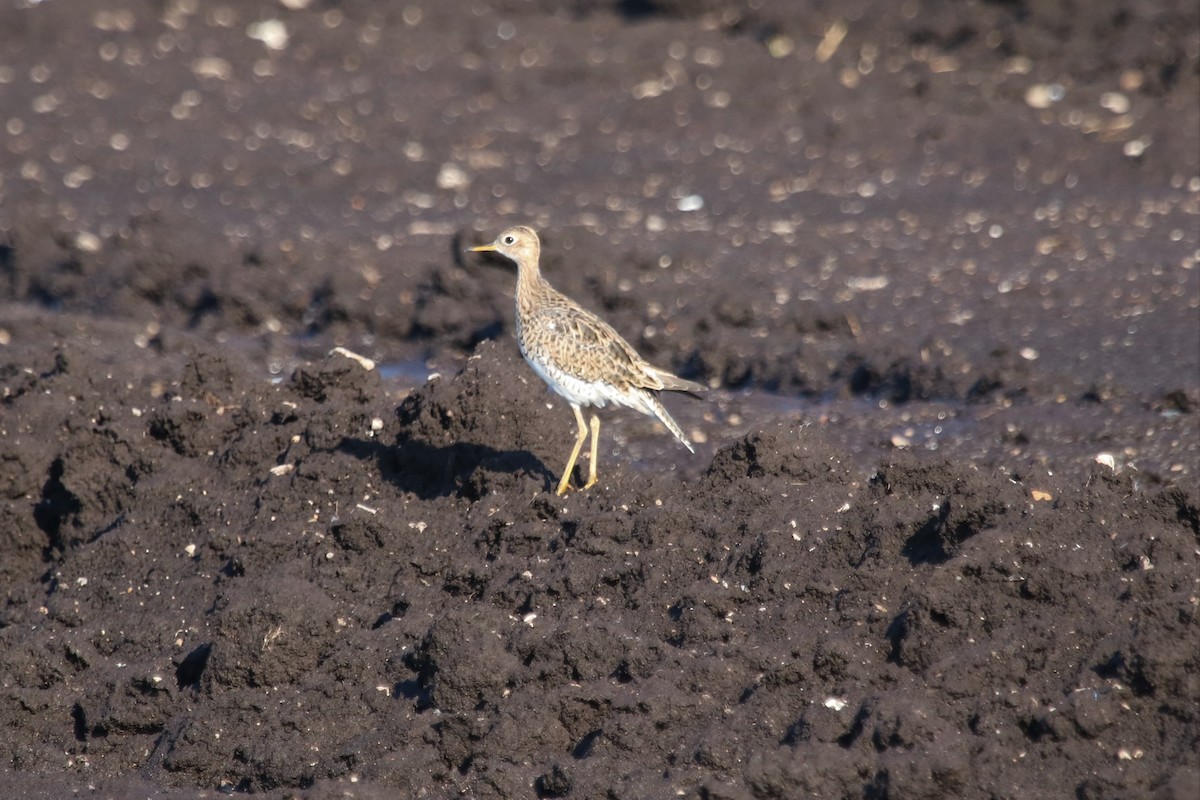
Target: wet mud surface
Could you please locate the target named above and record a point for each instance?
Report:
(936, 261)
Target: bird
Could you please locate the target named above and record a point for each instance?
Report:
(580, 356)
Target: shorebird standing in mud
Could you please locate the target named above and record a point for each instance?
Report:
(578, 354)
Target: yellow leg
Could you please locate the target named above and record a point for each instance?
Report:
(595, 446)
(583, 432)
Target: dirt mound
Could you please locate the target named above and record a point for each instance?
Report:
(277, 586)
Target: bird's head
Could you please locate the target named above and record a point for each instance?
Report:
(519, 244)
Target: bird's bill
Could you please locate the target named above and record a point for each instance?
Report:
(483, 248)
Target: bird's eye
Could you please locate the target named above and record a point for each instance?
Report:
(510, 240)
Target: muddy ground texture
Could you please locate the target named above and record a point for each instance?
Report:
(937, 262)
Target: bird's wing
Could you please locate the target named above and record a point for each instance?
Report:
(599, 352)
(674, 383)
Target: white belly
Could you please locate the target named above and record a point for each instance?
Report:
(572, 389)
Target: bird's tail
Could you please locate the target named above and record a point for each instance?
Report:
(655, 405)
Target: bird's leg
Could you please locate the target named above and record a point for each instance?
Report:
(583, 432)
(595, 447)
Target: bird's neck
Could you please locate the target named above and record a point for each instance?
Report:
(530, 284)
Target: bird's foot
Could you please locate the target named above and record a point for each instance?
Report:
(565, 486)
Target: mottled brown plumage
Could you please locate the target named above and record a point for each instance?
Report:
(578, 354)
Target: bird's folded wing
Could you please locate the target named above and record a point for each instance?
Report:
(673, 383)
(600, 354)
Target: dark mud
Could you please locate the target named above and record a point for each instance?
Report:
(937, 261)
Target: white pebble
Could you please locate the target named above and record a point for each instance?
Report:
(271, 32)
